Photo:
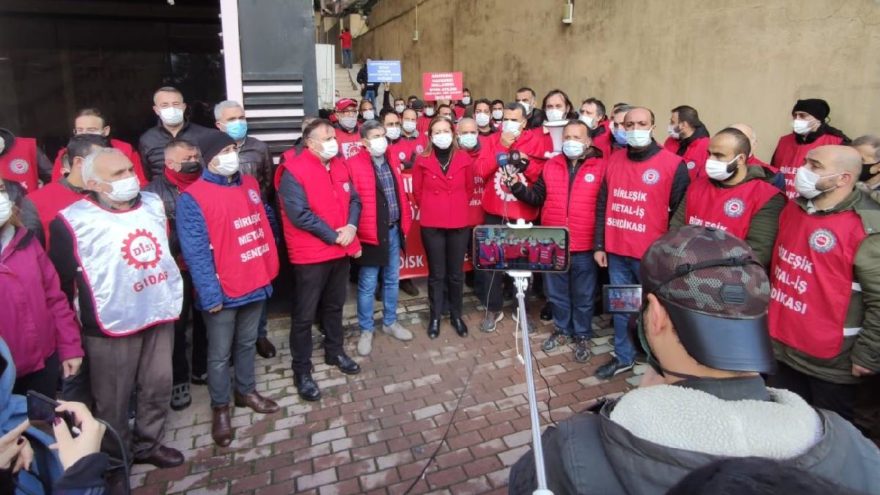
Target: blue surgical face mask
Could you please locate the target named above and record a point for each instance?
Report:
(237, 129)
(619, 136)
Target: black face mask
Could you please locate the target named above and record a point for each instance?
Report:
(190, 167)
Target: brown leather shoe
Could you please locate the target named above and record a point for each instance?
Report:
(221, 426)
(256, 402)
(265, 348)
(163, 457)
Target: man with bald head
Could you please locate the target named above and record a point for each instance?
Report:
(644, 182)
(777, 179)
(824, 314)
(129, 292)
(734, 196)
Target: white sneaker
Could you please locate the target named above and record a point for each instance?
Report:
(397, 331)
(365, 343)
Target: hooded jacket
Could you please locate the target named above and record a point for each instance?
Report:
(651, 438)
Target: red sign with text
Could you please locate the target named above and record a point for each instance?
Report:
(442, 86)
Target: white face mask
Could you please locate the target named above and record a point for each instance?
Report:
(348, 122)
(526, 105)
(638, 138)
(392, 133)
(429, 111)
(399, 108)
(510, 126)
(409, 126)
(586, 119)
(171, 115)
(5, 207)
(573, 149)
(805, 181)
(227, 163)
(369, 115)
(442, 141)
(465, 100)
(124, 190)
(468, 141)
(329, 149)
(497, 114)
(554, 114)
(673, 133)
(482, 119)
(378, 145)
(801, 126)
(718, 170)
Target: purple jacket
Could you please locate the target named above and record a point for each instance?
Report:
(35, 318)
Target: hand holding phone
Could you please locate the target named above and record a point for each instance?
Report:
(42, 410)
(71, 449)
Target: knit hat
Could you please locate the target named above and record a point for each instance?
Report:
(814, 106)
(417, 105)
(716, 293)
(212, 143)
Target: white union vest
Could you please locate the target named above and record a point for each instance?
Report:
(127, 264)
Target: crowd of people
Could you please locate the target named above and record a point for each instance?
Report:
(111, 253)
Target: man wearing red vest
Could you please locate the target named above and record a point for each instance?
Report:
(778, 180)
(568, 192)
(592, 113)
(347, 128)
(643, 184)
(490, 253)
(733, 196)
(320, 212)
(498, 202)
(384, 223)
(688, 138)
(460, 108)
(58, 195)
(128, 291)
(345, 44)
(22, 161)
(91, 121)
(222, 213)
(824, 314)
(810, 130)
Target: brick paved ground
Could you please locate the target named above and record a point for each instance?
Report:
(374, 432)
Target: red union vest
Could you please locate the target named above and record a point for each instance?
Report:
(403, 152)
(497, 198)
(812, 279)
(790, 156)
(126, 149)
(19, 163)
(573, 205)
(637, 209)
(726, 208)
(349, 142)
(126, 261)
(694, 156)
(241, 238)
(329, 195)
(49, 200)
(363, 176)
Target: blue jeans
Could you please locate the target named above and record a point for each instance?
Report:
(346, 58)
(623, 270)
(368, 278)
(263, 327)
(232, 331)
(572, 294)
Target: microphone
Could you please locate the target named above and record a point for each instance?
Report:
(501, 159)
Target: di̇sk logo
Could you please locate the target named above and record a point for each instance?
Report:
(502, 191)
(651, 177)
(691, 165)
(734, 208)
(254, 196)
(420, 149)
(141, 249)
(822, 240)
(589, 178)
(346, 187)
(19, 166)
(401, 156)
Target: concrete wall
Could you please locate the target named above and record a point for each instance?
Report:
(740, 60)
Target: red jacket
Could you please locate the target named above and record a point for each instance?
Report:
(497, 198)
(349, 142)
(694, 157)
(363, 175)
(402, 153)
(790, 155)
(329, 195)
(19, 163)
(512, 251)
(602, 138)
(345, 40)
(573, 204)
(443, 199)
(422, 124)
(122, 146)
(36, 319)
(489, 255)
(49, 200)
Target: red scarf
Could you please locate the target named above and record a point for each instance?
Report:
(182, 181)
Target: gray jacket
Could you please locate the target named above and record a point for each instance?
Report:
(649, 439)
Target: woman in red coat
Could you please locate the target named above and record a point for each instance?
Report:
(35, 319)
(442, 185)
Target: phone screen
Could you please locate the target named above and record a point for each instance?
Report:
(622, 298)
(533, 249)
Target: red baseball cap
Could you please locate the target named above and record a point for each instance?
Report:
(345, 103)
